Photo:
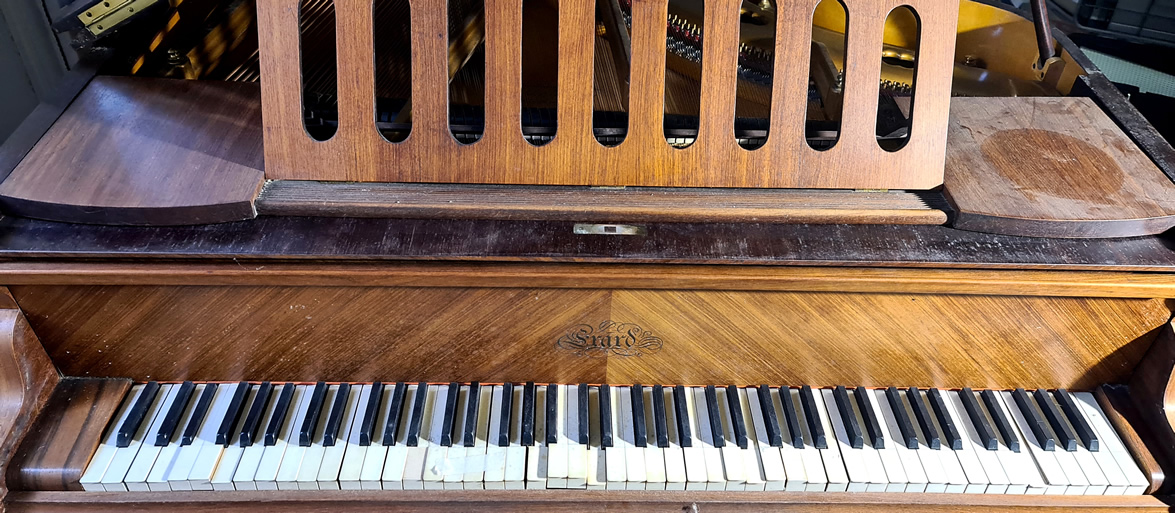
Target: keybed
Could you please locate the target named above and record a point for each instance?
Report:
(401, 436)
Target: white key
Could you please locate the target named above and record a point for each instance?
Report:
(974, 453)
(200, 474)
(1116, 481)
(91, 479)
(136, 477)
(291, 460)
(1079, 477)
(399, 460)
(230, 457)
(332, 458)
(752, 459)
(515, 473)
(696, 474)
(1021, 468)
(835, 468)
(495, 471)
(1054, 478)
(537, 455)
(1136, 482)
(157, 478)
(704, 437)
(896, 455)
(676, 475)
(557, 452)
(859, 476)
(416, 457)
(454, 462)
(312, 458)
(614, 457)
(243, 478)
(597, 479)
(124, 457)
(375, 454)
(1098, 482)
(577, 453)
(936, 475)
(655, 473)
(732, 455)
(770, 459)
(478, 454)
(634, 457)
(956, 478)
(351, 466)
(802, 465)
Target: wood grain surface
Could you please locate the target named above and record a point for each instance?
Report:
(1135, 433)
(1152, 391)
(27, 377)
(574, 501)
(144, 151)
(268, 239)
(66, 433)
(580, 204)
(358, 153)
(495, 334)
(1051, 167)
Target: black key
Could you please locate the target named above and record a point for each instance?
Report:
(413, 437)
(224, 433)
(172, 419)
(815, 427)
(310, 423)
(736, 416)
(450, 413)
(1077, 420)
(770, 421)
(681, 414)
(1001, 420)
(900, 416)
(507, 410)
(605, 395)
(869, 416)
(335, 419)
(847, 417)
(944, 419)
(370, 412)
(640, 433)
(1064, 435)
(1035, 423)
(198, 414)
(716, 430)
(659, 427)
(582, 405)
(134, 419)
(471, 415)
(551, 427)
(284, 399)
(528, 414)
(923, 417)
(986, 435)
(791, 418)
(392, 424)
(253, 419)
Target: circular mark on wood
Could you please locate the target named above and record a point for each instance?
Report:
(1054, 164)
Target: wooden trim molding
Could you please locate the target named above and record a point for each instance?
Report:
(27, 378)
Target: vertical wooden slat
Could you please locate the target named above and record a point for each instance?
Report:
(866, 21)
(281, 98)
(356, 81)
(430, 76)
(719, 75)
(789, 95)
(503, 74)
(576, 59)
(647, 75)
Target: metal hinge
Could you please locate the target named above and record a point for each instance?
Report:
(107, 14)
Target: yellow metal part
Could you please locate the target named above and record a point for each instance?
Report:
(106, 15)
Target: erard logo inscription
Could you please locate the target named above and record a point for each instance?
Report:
(609, 338)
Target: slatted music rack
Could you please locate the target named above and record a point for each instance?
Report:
(357, 152)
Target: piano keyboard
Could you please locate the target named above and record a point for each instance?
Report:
(385, 436)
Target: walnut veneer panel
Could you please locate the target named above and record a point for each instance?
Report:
(703, 337)
(358, 153)
(27, 379)
(1051, 167)
(145, 151)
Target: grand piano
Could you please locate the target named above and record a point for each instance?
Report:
(586, 255)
